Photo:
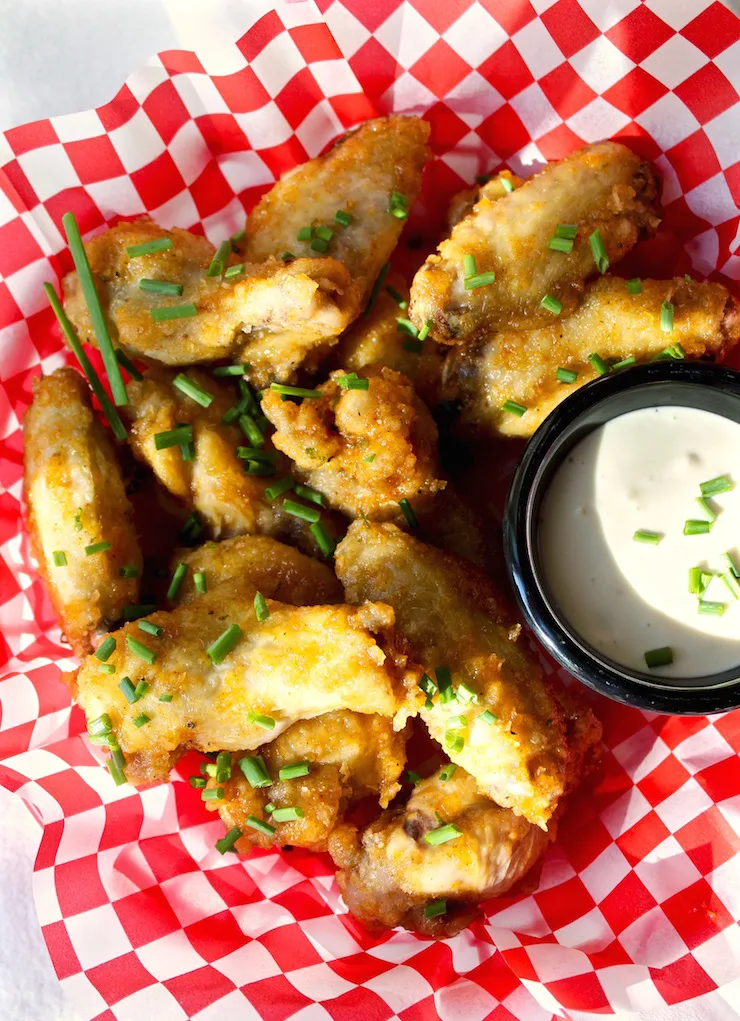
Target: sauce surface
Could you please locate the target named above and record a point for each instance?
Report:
(643, 470)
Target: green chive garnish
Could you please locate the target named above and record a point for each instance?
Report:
(297, 510)
(177, 579)
(128, 690)
(142, 651)
(598, 250)
(413, 778)
(149, 247)
(304, 234)
(343, 218)
(324, 541)
(444, 683)
(288, 257)
(398, 298)
(666, 317)
(125, 362)
(634, 286)
(128, 571)
(141, 689)
(294, 771)
(227, 843)
(704, 506)
(406, 326)
(199, 579)
(100, 726)
(325, 233)
(552, 304)
(658, 657)
(166, 697)
(255, 771)
(223, 767)
(566, 375)
(696, 527)
(469, 265)
(696, 585)
(278, 488)
(160, 287)
(295, 391)
(119, 777)
(198, 782)
(287, 814)
(567, 231)
(731, 563)
(711, 609)
(106, 649)
(447, 772)
(179, 437)
(408, 513)
(424, 331)
(224, 644)
(732, 584)
(192, 390)
(513, 408)
(107, 668)
(150, 629)
(213, 794)
(643, 535)
(457, 722)
(625, 363)
(488, 717)
(258, 824)
(466, 694)
(161, 315)
(439, 907)
(229, 370)
(306, 493)
(97, 547)
(319, 245)
(556, 244)
(219, 260)
(260, 607)
(454, 741)
(234, 271)
(377, 285)
(353, 382)
(266, 722)
(59, 558)
(443, 834)
(141, 720)
(239, 236)
(398, 206)
(506, 183)
(601, 367)
(472, 283)
(116, 753)
(722, 484)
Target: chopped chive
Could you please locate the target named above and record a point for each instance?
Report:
(251, 430)
(258, 824)
(566, 375)
(732, 584)
(324, 541)
(198, 782)
(177, 579)
(506, 183)
(323, 232)
(116, 753)
(696, 527)
(161, 315)
(343, 218)
(444, 683)
(353, 382)
(229, 370)
(731, 563)
(128, 690)
(125, 362)
(658, 657)
(666, 317)
(644, 535)
(166, 697)
(149, 247)
(295, 391)
(150, 629)
(429, 688)
(557, 244)
(414, 346)
(704, 506)
(513, 408)
(406, 326)
(142, 651)
(269, 808)
(488, 717)
(199, 579)
(128, 571)
(306, 493)
(141, 720)
(114, 419)
(160, 287)
(192, 390)
(408, 513)
(278, 488)
(219, 260)
(380, 280)
(722, 484)
(424, 331)
(101, 726)
(625, 363)
(552, 304)
(106, 649)
(602, 367)
(95, 309)
(447, 771)
(181, 436)
(711, 609)
(443, 834)
(287, 814)
(107, 668)
(319, 245)
(238, 236)
(398, 206)
(119, 777)
(413, 778)
(255, 771)
(634, 286)
(304, 234)
(294, 771)
(141, 689)
(472, 283)
(696, 585)
(466, 694)
(369, 459)
(209, 769)
(457, 722)
(261, 611)
(227, 843)
(469, 265)
(97, 547)
(266, 722)
(78, 519)
(224, 644)
(233, 271)
(213, 794)
(439, 907)
(255, 454)
(261, 468)
(398, 298)
(567, 231)
(598, 250)
(297, 510)
(223, 767)
(59, 558)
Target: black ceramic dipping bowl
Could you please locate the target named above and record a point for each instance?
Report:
(681, 384)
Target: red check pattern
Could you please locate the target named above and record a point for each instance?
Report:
(637, 905)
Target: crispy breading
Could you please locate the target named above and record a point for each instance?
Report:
(247, 316)
(298, 663)
(522, 365)
(264, 564)
(389, 872)
(358, 175)
(450, 616)
(463, 202)
(350, 755)
(365, 450)
(214, 484)
(76, 498)
(603, 187)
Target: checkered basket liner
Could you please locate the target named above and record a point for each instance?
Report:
(637, 905)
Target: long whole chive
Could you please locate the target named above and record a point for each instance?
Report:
(645, 535)
(181, 436)
(666, 317)
(101, 726)
(106, 649)
(97, 547)
(722, 484)
(443, 834)
(141, 720)
(556, 244)
(178, 578)
(294, 771)
(324, 541)
(220, 259)
(287, 814)
(319, 245)
(160, 287)
(161, 315)
(224, 644)
(602, 367)
(408, 513)
(192, 390)
(213, 794)
(634, 286)
(658, 657)
(233, 271)
(227, 843)
(732, 584)
(695, 527)
(114, 419)
(199, 580)
(223, 767)
(261, 611)
(472, 283)
(352, 382)
(413, 778)
(454, 741)
(306, 493)
(552, 304)
(407, 327)
(398, 206)
(711, 609)
(469, 265)
(166, 697)
(696, 586)
(444, 683)
(125, 362)
(513, 408)
(107, 668)
(343, 218)
(598, 250)
(398, 298)
(379, 281)
(260, 720)
(198, 782)
(95, 309)
(141, 689)
(149, 247)
(59, 558)
(487, 717)
(260, 825)
(566, 230)
(704, 506)
(447, 771)
(150, 629)
(466, 694)
(731, 563)
(297, 510)
(128, 690)
(255, 771)
(624, 363)
(278, 488)
(439, 907)
(128, 571)
(295, 391)
(566, 375)
(229, 370)
(142, 651)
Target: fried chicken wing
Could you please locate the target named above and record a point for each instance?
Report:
(76, 499)
(494, 714)
(603, 187)
(263, 564)
(350, 755)
(364, 449)
(358, 175)
(298, 663)
(522, 366)
(246, 315)
(495, 188)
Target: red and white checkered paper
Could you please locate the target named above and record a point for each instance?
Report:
(637, 905)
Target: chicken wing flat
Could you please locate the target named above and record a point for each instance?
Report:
(262, 564)
(309, 299)
(76, 500)
(359, 176)
(492, 712)
(364, 449)
(298, 663)
(495, 188)
(390, 871)
(603, 187)
(522, 366)
(349, 755)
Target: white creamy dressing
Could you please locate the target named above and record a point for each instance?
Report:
(642, 470)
